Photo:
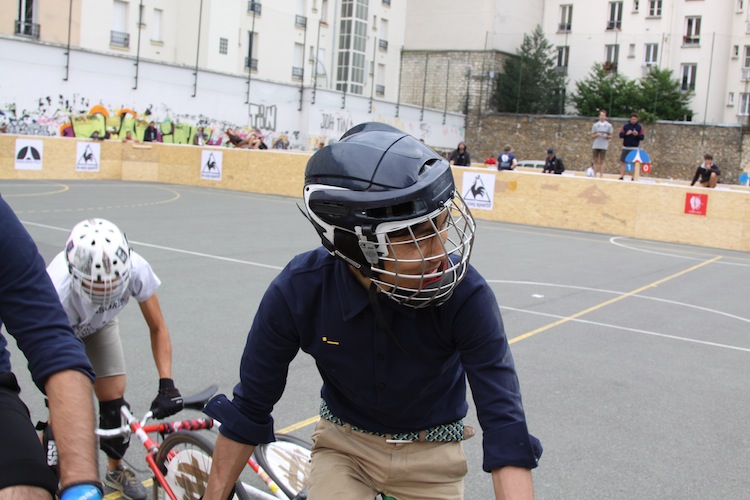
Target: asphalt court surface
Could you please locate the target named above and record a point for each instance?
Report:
(633, 356)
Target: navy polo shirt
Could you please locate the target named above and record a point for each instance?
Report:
(315, 304)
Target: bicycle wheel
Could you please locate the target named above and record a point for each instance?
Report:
(287, 461)
(185, 460)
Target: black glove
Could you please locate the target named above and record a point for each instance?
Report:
(168, 401)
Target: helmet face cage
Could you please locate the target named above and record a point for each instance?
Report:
(98, 257)
(425, 258)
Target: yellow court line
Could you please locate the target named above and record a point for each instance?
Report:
(610, 301)
(298, 425)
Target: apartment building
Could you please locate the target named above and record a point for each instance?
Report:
(705, 43)
(346, 45)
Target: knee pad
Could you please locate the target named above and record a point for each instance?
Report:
(109, 418)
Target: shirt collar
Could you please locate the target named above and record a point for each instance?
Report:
(354, 298)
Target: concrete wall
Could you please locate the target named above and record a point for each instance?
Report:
(676, 148)
(653, 211)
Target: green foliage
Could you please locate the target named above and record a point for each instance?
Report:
(530, 82)
(656, 96)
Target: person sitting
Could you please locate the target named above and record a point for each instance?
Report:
(200, 138)
(553, 164)
(236, 140)
(507, 160)
(95, 135)
(460, 156)
(707, 172)
(129, 137)
(256, 142)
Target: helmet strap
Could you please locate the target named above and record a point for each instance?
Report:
(375, 303)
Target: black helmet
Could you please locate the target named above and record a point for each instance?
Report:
(377, 182)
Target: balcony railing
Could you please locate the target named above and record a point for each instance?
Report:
(383, 44)
(610, 66)
(253, 6)
(380, 89)
(614, 25)
(300, 21)
(251, 64)
(387, 2)
(564, 27)
(26, 28)
(119, 39)
(691, 40)
(297, 73)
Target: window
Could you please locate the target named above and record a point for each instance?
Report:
(350, 72)
(251, 59)
(563, 54)
(298, 61)
(744, 104)
(25, 24)
(254, 7)
(118, 36)
(611, 57)
(380, 80)
(730, 99)
(688, 72)
(223, 45)
(566, 18)
(746, 57)
(631, 50)
(692, 31)
(740, 5)
(323, 10)
(156, 26)
(615, 16)
(636, 5)
(654, 8)
(651, 56)
(735, 51)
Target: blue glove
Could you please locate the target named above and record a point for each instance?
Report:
(81, 491)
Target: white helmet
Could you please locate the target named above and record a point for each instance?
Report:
(98, 257)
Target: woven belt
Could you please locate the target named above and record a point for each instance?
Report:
(453, 431)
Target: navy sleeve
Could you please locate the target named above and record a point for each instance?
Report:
(490, 370)
(31, 309)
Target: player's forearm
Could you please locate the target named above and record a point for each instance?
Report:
(161, 347)
(513, 483)
(71, 409)
(228, 460)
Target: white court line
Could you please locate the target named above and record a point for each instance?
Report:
(614, 292)
(615, 241)
(171, 249)
(634, 330)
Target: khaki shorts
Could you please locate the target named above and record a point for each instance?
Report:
(347, 464)
(104, 350)
(599, 153)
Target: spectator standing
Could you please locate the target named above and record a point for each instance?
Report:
(151, 134)
(707, 172)
(460, 156)
(32, 314)
(507, 160)
(632, 134)
(95, 277)
(553, 164)
(601, 132)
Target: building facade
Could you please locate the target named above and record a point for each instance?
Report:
(347, 45)
(706, 45)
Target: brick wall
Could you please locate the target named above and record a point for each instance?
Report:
(675, 148)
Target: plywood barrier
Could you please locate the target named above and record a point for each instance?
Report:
(653, 210)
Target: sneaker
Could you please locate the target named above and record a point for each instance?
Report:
(124, 481)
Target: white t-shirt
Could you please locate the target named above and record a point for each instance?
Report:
(86, 317)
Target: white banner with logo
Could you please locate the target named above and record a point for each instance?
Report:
(29, 154)
(478, 190)
(211, 160)
(88, 156)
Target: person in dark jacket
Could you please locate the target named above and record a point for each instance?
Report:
(553, 164)
(151, 134)
(631, 135)
(707, 172)
(460, 156)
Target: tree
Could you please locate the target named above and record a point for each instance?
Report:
(530, 81)
(661, 98)
(656, 96)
